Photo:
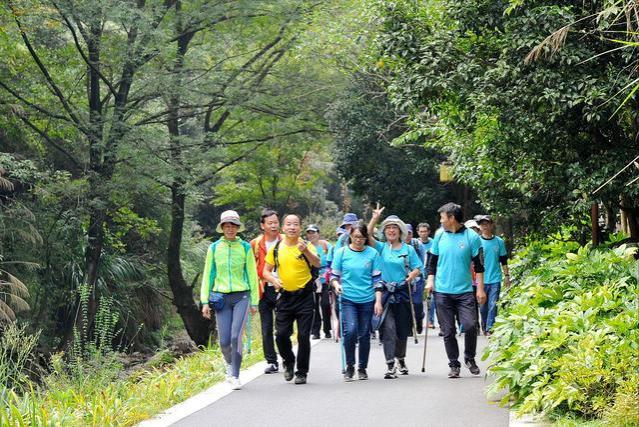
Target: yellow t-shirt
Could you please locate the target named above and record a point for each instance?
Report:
(293, 270)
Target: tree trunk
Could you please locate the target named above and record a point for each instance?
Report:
(198, 328)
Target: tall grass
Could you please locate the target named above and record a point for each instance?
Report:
(98, 395)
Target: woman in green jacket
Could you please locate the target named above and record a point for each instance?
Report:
(229, 282)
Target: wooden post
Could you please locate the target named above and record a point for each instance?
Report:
(594, 218)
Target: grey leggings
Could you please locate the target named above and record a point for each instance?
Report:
(230, 324)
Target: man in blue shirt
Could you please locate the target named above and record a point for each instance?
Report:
(495, 259)
(418, 288)
(322, 308)
(423, 231)
(449, 274)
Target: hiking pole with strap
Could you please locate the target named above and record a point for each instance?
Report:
(410, 299)
(249, 338)
(428, 297)
(341, 335)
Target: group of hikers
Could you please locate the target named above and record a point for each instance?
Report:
(371, 280)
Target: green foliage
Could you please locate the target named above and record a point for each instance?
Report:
(364, 123)
(17, 364)
(101, 396)
(566, 339)
(534, 139)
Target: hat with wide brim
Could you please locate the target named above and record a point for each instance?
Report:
(230, 217)
(349, 219)
(394, 220)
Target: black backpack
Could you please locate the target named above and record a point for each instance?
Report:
(314, 270)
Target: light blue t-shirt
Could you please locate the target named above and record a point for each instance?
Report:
(426, 247)
(341, 242)
(455, 251)
(358, 272)
(393, 265)
(324, 259)
(493, 249)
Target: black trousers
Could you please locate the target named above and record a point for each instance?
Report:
(323, 303)
(464, 307)
(419, 315)
(291, 308)
(266, 307)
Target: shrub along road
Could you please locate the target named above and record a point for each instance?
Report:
(429, 399)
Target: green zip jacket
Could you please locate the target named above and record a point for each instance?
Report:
(229, 267)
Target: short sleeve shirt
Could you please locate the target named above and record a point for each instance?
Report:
(455, 252)
(393, 264)
(356, 270)
(493, 249)
(293, 270)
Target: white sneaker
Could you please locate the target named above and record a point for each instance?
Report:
(227, 375)
(236, 384)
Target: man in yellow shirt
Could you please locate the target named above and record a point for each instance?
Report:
(288, 267)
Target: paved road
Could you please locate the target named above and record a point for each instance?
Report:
(428, 399)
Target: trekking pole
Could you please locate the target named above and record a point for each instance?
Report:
(249, 338)
(410, 299)
(426, 331)
(341, 335)
(412, 311)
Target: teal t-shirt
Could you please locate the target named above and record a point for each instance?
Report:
(426, 247)
(341, 242)
(455, 252)
(358, 271)
(493, 249)
(324, 259)
(393, 265)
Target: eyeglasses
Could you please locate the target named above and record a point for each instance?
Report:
(358, 237)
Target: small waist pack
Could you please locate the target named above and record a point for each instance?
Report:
(216, 300)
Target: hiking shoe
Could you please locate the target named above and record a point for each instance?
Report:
(361, 374)
(227, 373)
(315, 337)
(236, 384)
(288, 372)
(300, 379)
(271, 368)
(328, 335)
(391, 372)
(431, 326)
(403, 369)
(348, 375)
(472, 366)
(454, 372)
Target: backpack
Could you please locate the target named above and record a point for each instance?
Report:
(314, 270)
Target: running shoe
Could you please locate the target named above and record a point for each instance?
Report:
(403, 369)
(391, 372)
(472, 366)
(271, 368)
(348, 375)
(454, 372)
(361, 374)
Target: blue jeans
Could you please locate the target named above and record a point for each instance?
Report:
(489, 310)
(356, 321)
(230, 324)
(431, 310)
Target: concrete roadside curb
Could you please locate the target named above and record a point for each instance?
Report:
(207, 397)
(527, 420)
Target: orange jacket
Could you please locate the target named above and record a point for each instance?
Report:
(259, 250)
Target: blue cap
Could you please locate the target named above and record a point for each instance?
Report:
(409, 227)
(340, 230)
(349, 219)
